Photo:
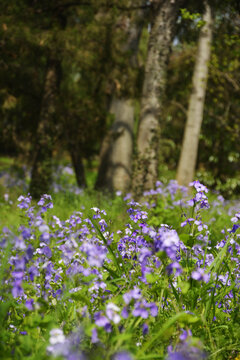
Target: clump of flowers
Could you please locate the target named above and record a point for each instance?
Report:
(187, 349)
(119, 295)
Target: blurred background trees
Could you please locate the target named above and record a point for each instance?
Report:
(189, 149)
(75, 84)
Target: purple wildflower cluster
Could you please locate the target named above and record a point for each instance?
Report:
(124, 282)
(141, 308)
(187, 348)
(200, 200)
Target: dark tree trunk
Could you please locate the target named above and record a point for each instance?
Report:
(159, 46)
(42, 164)
(78, 166)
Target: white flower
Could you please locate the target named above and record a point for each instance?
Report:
(56, 336)
(43, 228)
(111, 312)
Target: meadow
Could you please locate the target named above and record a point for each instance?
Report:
(91, 276)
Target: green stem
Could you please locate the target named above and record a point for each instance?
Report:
(107, 245)
(159, 334)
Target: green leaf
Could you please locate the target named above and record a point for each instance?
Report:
(151, 278)
(182, 317)
(184, 285)
(187, 239)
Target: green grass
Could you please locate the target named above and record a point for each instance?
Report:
(220, 338)
(66, 204)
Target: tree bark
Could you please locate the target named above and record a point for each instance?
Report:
(159, 46)
(189, 151)
(116, 152)
(42, 165)
(115, 168)
(78, 166)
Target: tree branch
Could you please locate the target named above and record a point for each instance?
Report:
(232, 81)
(89, 3)
(180, 106)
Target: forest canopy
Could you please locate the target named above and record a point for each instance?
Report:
(128, 88)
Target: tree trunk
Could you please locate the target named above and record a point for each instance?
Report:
(160, 40)
(115, 168)
(42, 164)
(188, 157)
(78, 168)
(116, 152)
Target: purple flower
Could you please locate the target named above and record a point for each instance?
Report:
(96, 254)
(176, 356)
(29, 304)
(187, 221)
(18, 262)
(200, 197)
(47, 251)
(153, 309)
(98, 213)
(191, 202)
(17, 289)
(122, 355)
(236, 218)
(124, 312)
(44, 237)
(140, 310)
(199, 275)
(26, 233)
(234, 228)
(198, 186)
(132, 294)
(94, 338)
(174, 266)
(102, 224)
(33, 271)
(45, 202)
(101, 320)
(29, 252)
(57, 293)
(144, 253)
(19, 243)
(145, 329)
(186, 351)
(158, 184)
(184, 335)
(17, 274)
(24, 201)
(167, 240)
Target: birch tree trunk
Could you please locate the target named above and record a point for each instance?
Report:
(160, 40)
(42, 164)
(116, 152)
(189, 151)
(115, 168)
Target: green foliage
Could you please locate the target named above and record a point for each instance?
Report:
(218, 158)
(183, 302)
(90, 42)
(196, 17)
